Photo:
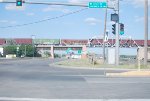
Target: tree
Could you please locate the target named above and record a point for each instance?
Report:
(24, 50)
(28, 51)
(12, 49)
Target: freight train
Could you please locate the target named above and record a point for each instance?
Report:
(88, 42)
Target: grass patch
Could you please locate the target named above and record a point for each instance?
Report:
(87, 63)
(77, 63)
(126, 66)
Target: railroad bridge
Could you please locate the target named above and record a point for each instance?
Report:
(93, 42)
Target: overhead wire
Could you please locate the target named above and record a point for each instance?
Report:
(44, 20)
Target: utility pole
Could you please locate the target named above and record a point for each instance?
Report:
(146, 33)
(105, 25)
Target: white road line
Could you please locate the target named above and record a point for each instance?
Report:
(80, 75)
(41, 99)
(13, 61)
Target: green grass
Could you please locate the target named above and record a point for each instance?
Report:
(126, 66)
(86, 63)
(77, 62)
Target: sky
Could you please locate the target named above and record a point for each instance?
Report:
(84, 24)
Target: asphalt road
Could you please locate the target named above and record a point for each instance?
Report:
(34, 78)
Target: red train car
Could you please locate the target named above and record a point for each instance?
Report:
(20, 41)
(140, 42)
(74, 42)
(2, 41)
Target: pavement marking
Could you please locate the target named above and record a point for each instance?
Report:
(42, 99)
(15, 61)
(19, 59)
(81, 75)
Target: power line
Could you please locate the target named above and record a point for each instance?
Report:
(48, 19)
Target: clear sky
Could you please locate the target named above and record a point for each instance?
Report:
(82, 25)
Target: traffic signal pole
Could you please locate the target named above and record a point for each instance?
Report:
(48, 3)
(117, 44)
(117, 37)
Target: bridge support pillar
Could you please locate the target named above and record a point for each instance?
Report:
(52, 51)
(84, 52)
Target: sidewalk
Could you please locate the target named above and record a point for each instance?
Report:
(142, 73)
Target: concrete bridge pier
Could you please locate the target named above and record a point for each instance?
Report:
(84, 52)
(52, 51)
(83, 56)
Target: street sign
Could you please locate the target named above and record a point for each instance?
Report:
(79, 51)
(114, 17)
(69, 50)
(97, 5)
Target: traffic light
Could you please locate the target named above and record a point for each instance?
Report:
(114, 29)
(18, 2)
(121, 29)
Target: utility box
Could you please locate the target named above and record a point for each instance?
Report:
(140, 53)
(111, 56)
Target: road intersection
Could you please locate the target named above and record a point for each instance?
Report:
(35, 79)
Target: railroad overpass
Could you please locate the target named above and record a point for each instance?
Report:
(75, 44)
(52, 48)
(126, 43)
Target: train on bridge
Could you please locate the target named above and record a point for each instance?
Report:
(88, 42)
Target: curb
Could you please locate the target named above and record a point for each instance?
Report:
(93, 68)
